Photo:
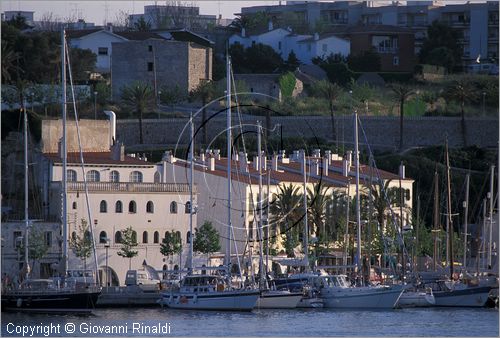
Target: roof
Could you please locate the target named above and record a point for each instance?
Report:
(360, 29)
(260, 31)
(184, 34)
(130, 35)
(310, 73)
(97, 158)
(322, 37)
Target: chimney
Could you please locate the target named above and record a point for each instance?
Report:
(295, 155)
(168, 157)
(274, 162)
(316, 167)
(236, 157)
(270, 25)
(325, 166)
(243, 32)
(316, 36)
(402, 171)
(264, 161)
(345, 167)
(202, 157)
(110, 27)
(211, 164)
(349, 157)
(328, 156)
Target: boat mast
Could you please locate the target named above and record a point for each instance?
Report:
(358, 207)
(26, 216)
(450, 220)
(259, 206)
(306, 225)
(191, 183)
(490, 235)
(466, 215)
(437, 227)
(64, 154)
(227, 259)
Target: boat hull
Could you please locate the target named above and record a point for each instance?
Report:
(360, 298)
(416, 299)
(222, 301)
(50, 301)
(308, 303)
(278, 300)
(468, 297)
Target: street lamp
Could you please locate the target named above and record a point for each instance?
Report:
(95, 105)
(158, 103)
(106, 246)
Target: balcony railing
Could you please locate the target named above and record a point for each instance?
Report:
(129, 187)
(387, 50)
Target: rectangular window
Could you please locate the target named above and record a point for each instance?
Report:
(48, 238)
(325, 47)
(102, 51)
(150, 48)
(279, 45)
(150, 66)
(308, 47)
(395, 61)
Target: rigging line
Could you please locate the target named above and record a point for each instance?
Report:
(89, 212)
(393, 216)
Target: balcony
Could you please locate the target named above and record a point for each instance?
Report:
(387, 50)
(127, 187)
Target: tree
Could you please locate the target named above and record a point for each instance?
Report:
(402, 93)
(331, 92)
(206, 239)
(171, 244)
(285, 210)
(82, 244)
(258, 58)
(287, 83)
(9, 58)
(82, 62)
(440, 35)
(462, 91)
(142, 25)
(206, 91)
(291, 63)
(366, 61)
(441, 56)
(138, 96)
(129, 242)
(318, 201)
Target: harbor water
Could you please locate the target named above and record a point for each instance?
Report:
(314, 322)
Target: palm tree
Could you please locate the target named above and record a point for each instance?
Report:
(206, 91)
(403, 93)
(331, 92)
(462, 91)
(138, 96)
(9, 64)
(319, 200)
(285, 210)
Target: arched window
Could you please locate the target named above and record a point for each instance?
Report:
(103, 207)
(93, 176)
(157, 178)
(156, 237)
(119, 207)
(103, 237)
(187, 208)
(118, 237)
(167, 236)
(73, 235)
(150, 207)
(87, 236)
(70, 175)
(134, 236)
(132, 207)
(74, 205)
(188, 237)
(145, 237)
(114, 176)
(136, 177)
(178, 236)
(173, 207)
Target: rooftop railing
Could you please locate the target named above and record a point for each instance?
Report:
(129, 187)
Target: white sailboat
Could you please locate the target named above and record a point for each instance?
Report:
(335, 289)
(47, 295)
(210, 292)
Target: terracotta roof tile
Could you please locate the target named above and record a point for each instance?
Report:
(97, 158)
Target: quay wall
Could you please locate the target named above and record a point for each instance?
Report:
(381, 132)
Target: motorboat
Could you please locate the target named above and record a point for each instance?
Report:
(278, 299)
(208, 292)
(416, 298)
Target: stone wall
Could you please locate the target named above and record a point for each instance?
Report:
(381, 132)
(94, 135)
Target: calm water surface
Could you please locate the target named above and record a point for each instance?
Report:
(324, 322)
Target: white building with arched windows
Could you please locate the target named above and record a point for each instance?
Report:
(123, 191)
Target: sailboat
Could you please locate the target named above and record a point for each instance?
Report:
(452, 292)
(336, 291)
(210, 292)
(47, 295)
(269, 298)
